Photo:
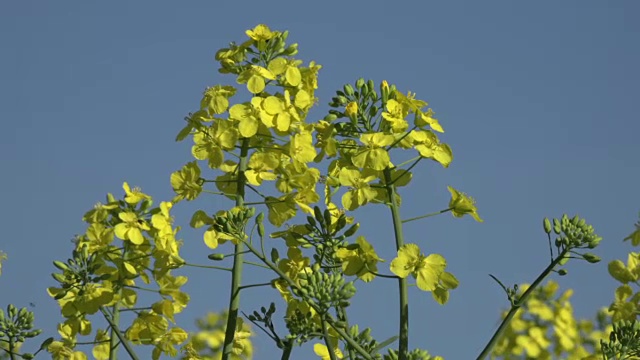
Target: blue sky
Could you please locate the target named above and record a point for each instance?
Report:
(538, 100)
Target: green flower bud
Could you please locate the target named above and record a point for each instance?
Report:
(557, 227)
(216, 257)
(547, 225)
(348, 89)
(562, 272)
(59, 277)
(591, 258)
(360, 83)
(330, 118)
(274, 255)
(352, 230)
(60, 265)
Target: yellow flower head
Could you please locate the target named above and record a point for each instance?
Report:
(352, 109)
(462, 204)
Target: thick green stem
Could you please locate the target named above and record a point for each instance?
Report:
(119, 335)
(518, 303)
(325, 335)
(343, 317)
(113, 343)
(286, 351)
(238, 259)
(12, 355)
(402, 283)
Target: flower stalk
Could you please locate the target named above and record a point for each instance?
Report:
(402, 282)
(238, 259)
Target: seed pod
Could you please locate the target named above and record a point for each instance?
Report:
(562, 272)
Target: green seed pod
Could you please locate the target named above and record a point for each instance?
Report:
(360, 83)
(216, 257)
(28, 356)
(348, 89)
(547, 225)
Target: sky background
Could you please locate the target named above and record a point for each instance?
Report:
(538, 101)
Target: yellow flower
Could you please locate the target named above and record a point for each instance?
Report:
(322, 351)
(462, 204)
(352, 109)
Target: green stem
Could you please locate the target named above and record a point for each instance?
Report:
(253, 285)
(208, 266)
(12, 355)
(325, 336)
(116, 330)
(343, 317)
(402, 283)
(516, 305)
(238, 259)
(113, 343)
(426, 216)
(286, 351)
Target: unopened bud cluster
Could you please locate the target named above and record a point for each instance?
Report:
(574, 232)
(234, 221)
(624, 339)
(326, 289)
(17, 325)
(77, 272)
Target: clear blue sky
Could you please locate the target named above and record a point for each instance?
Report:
(538, 100)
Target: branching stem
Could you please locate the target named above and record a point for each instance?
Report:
(518, 303)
